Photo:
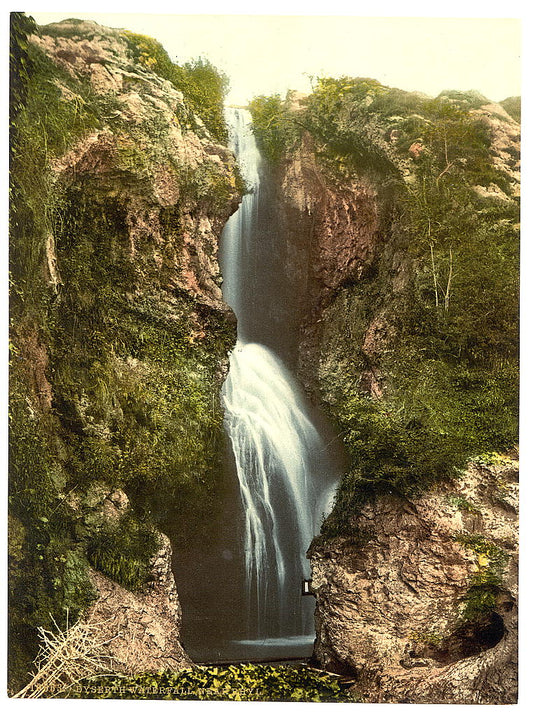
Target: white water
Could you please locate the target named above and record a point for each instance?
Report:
(236, 248)
(285, 476)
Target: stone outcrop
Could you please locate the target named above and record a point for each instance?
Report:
(334, 235)
(422, 608)
(128, 347)
(156, 168)
(141, 630)
(504, 133)
(342, 232)
(138, 631)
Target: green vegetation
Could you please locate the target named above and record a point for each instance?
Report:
(33, 197)
(461, 503)
(274, 126)
(48, 570)
(492, 459)
(346, 133)
(115, 371)
(481, 597)
(123, 551)
(202, 84)
(446, 374)
(513, 106)
(243, 682)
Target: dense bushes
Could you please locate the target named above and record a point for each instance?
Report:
(274, 126)
(47, 564)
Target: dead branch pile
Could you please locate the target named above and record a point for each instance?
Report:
(65, 658)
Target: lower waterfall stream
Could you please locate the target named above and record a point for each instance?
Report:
(285, 473)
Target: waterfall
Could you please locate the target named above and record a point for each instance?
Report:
(285, 474)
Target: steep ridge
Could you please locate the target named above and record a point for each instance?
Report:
(119, 332)
(403, 227)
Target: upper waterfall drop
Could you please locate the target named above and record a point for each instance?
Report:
(285, 474)
(236, 238)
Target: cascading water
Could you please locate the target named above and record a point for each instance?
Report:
(286, 475)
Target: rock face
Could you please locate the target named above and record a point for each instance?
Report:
(121, 341)
(416, 597)
(147, 161)
(424, 608)
(142, 629)
(504, 135)
(139, 629)
(334, 235)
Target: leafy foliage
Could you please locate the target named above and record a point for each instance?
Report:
(47, 566)
(200, 81)
(274, 126)
(485, 584)
(350, 136)
(34, 198)
(242, 682)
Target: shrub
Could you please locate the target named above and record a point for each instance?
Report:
(202, 84)
(243, 682)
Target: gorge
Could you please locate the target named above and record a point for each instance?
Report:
(285, 470)
(361, 333)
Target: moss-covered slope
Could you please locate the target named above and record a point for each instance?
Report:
(402, 215)
(119, 190)
(405, 212)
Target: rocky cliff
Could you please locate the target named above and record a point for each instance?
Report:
(402, 220)
(121, 184)
(402, 234)
(424, 608)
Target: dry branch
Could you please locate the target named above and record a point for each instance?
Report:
(65, 658)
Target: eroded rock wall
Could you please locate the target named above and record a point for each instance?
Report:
(396, 609)
(416, 596)
(335, 233)
(120, 338)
